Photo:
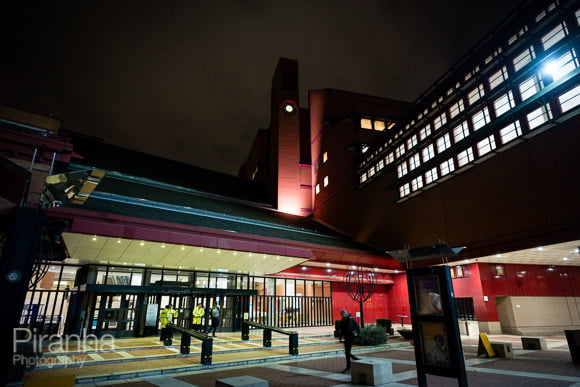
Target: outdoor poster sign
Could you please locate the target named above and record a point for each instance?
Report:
(435, 329)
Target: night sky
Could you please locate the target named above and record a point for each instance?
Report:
(190, 80)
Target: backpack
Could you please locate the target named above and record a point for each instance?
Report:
(355, 327)
(215, 312)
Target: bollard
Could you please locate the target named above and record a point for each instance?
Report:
(185, 342)
(168, 339)
(293, 344)
(245, 331)
(267, 338)
(206, 351)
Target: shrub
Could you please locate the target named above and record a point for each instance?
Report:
(387, 324)
(371, 336)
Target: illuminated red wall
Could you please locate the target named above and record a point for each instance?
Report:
(398, 300)
(374, 308)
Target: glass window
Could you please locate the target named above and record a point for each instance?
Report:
(411, 142)
(456, 108)
(402, 169)
(439, 121)
(379, 125)
(318, 288)
(475, 94)
(504, 104)
(290, 287)
(201, 280)
(325, 157)
(465, 157)
(317, 189)
(371, 171)
(460, 131)
(486, 145)
(380, 165)
(529, 87)
(447, 167)
(325, 181)
(309, 288)
(524, 58)
(414, 161)
(577, 13)
(242, 281)
(554, 36)
(417, 183)
(259, 285)
(326, 289)
(443, 143)
(561, 66)
(299, 288)
(538, 116)
(280, 287)
(570, 99)
(366, 123)
(510, 132)
(363, 178)
(515, 37)
(431, 176)
(390, 158)
(400, 151)
(428, 152)
(424, 133)
(497, 78)
(480, 119)
(404, 190)
(270, 287)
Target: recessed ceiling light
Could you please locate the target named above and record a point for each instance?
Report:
(235, 253)
(327, 264)
(118, 241)
(142, 243)
(303, 267)
(565, 259)
(540, 248)
(328, 270)
(219, 252)
(162, 246)
(94, 237)
(499, 256)
(182, 247)
(376, 269)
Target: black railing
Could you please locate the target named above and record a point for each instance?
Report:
(267, 335)
(186, 335)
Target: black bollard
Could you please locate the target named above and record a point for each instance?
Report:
(293, 344)
(267, 338)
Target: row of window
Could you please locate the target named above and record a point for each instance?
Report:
(417, 149)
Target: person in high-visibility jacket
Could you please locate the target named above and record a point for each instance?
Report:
(198, 313)
(166, 316)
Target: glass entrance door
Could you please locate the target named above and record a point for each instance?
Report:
(115, 314)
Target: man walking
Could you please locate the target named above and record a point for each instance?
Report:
(214, 313)
(348, 330)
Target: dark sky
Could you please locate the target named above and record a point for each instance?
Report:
(190, 80)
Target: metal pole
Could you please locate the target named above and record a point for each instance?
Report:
(362, 315)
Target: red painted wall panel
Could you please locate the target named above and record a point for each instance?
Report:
(374, 308)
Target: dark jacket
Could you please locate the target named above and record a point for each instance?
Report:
(349, 327)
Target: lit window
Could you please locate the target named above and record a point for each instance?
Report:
(364, 148)
(428, 152)
(404, 190)
(486, 145)
(380, 165)
(379, 125)
(570, 99)
(390, 158)
(480, 119)
(524, 58)
(561, 66)
(578, 16)
(417, 183)
(363, 178)
(400, 151)
(529, 87)
(497, 78)
(460, 131)
(439, 121)
(424, 133)
(465, 157)
(431, 176)
(325, 157)
(317, 188)
(554, 36)
(539, 116)
(540, 16)
(475, 94)
(366, 123)
(510, 132)
(402, 169)
(504, 103)
(447, 167)
(371, 171)
(456, 108)
(443, 142)
(414, 161)
(411, 142)
(325, 181)
(517, 35)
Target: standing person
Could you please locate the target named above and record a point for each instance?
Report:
(165, 317)
(214, 313)
(348, 330)
(198, 313)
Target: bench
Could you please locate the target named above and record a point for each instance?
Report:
(502, 349)
(534, 342)
(246, 381)
(371, 371)
(267, 335)
(186, 335)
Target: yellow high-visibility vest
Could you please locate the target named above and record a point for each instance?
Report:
(197, 315)
(166, 316)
